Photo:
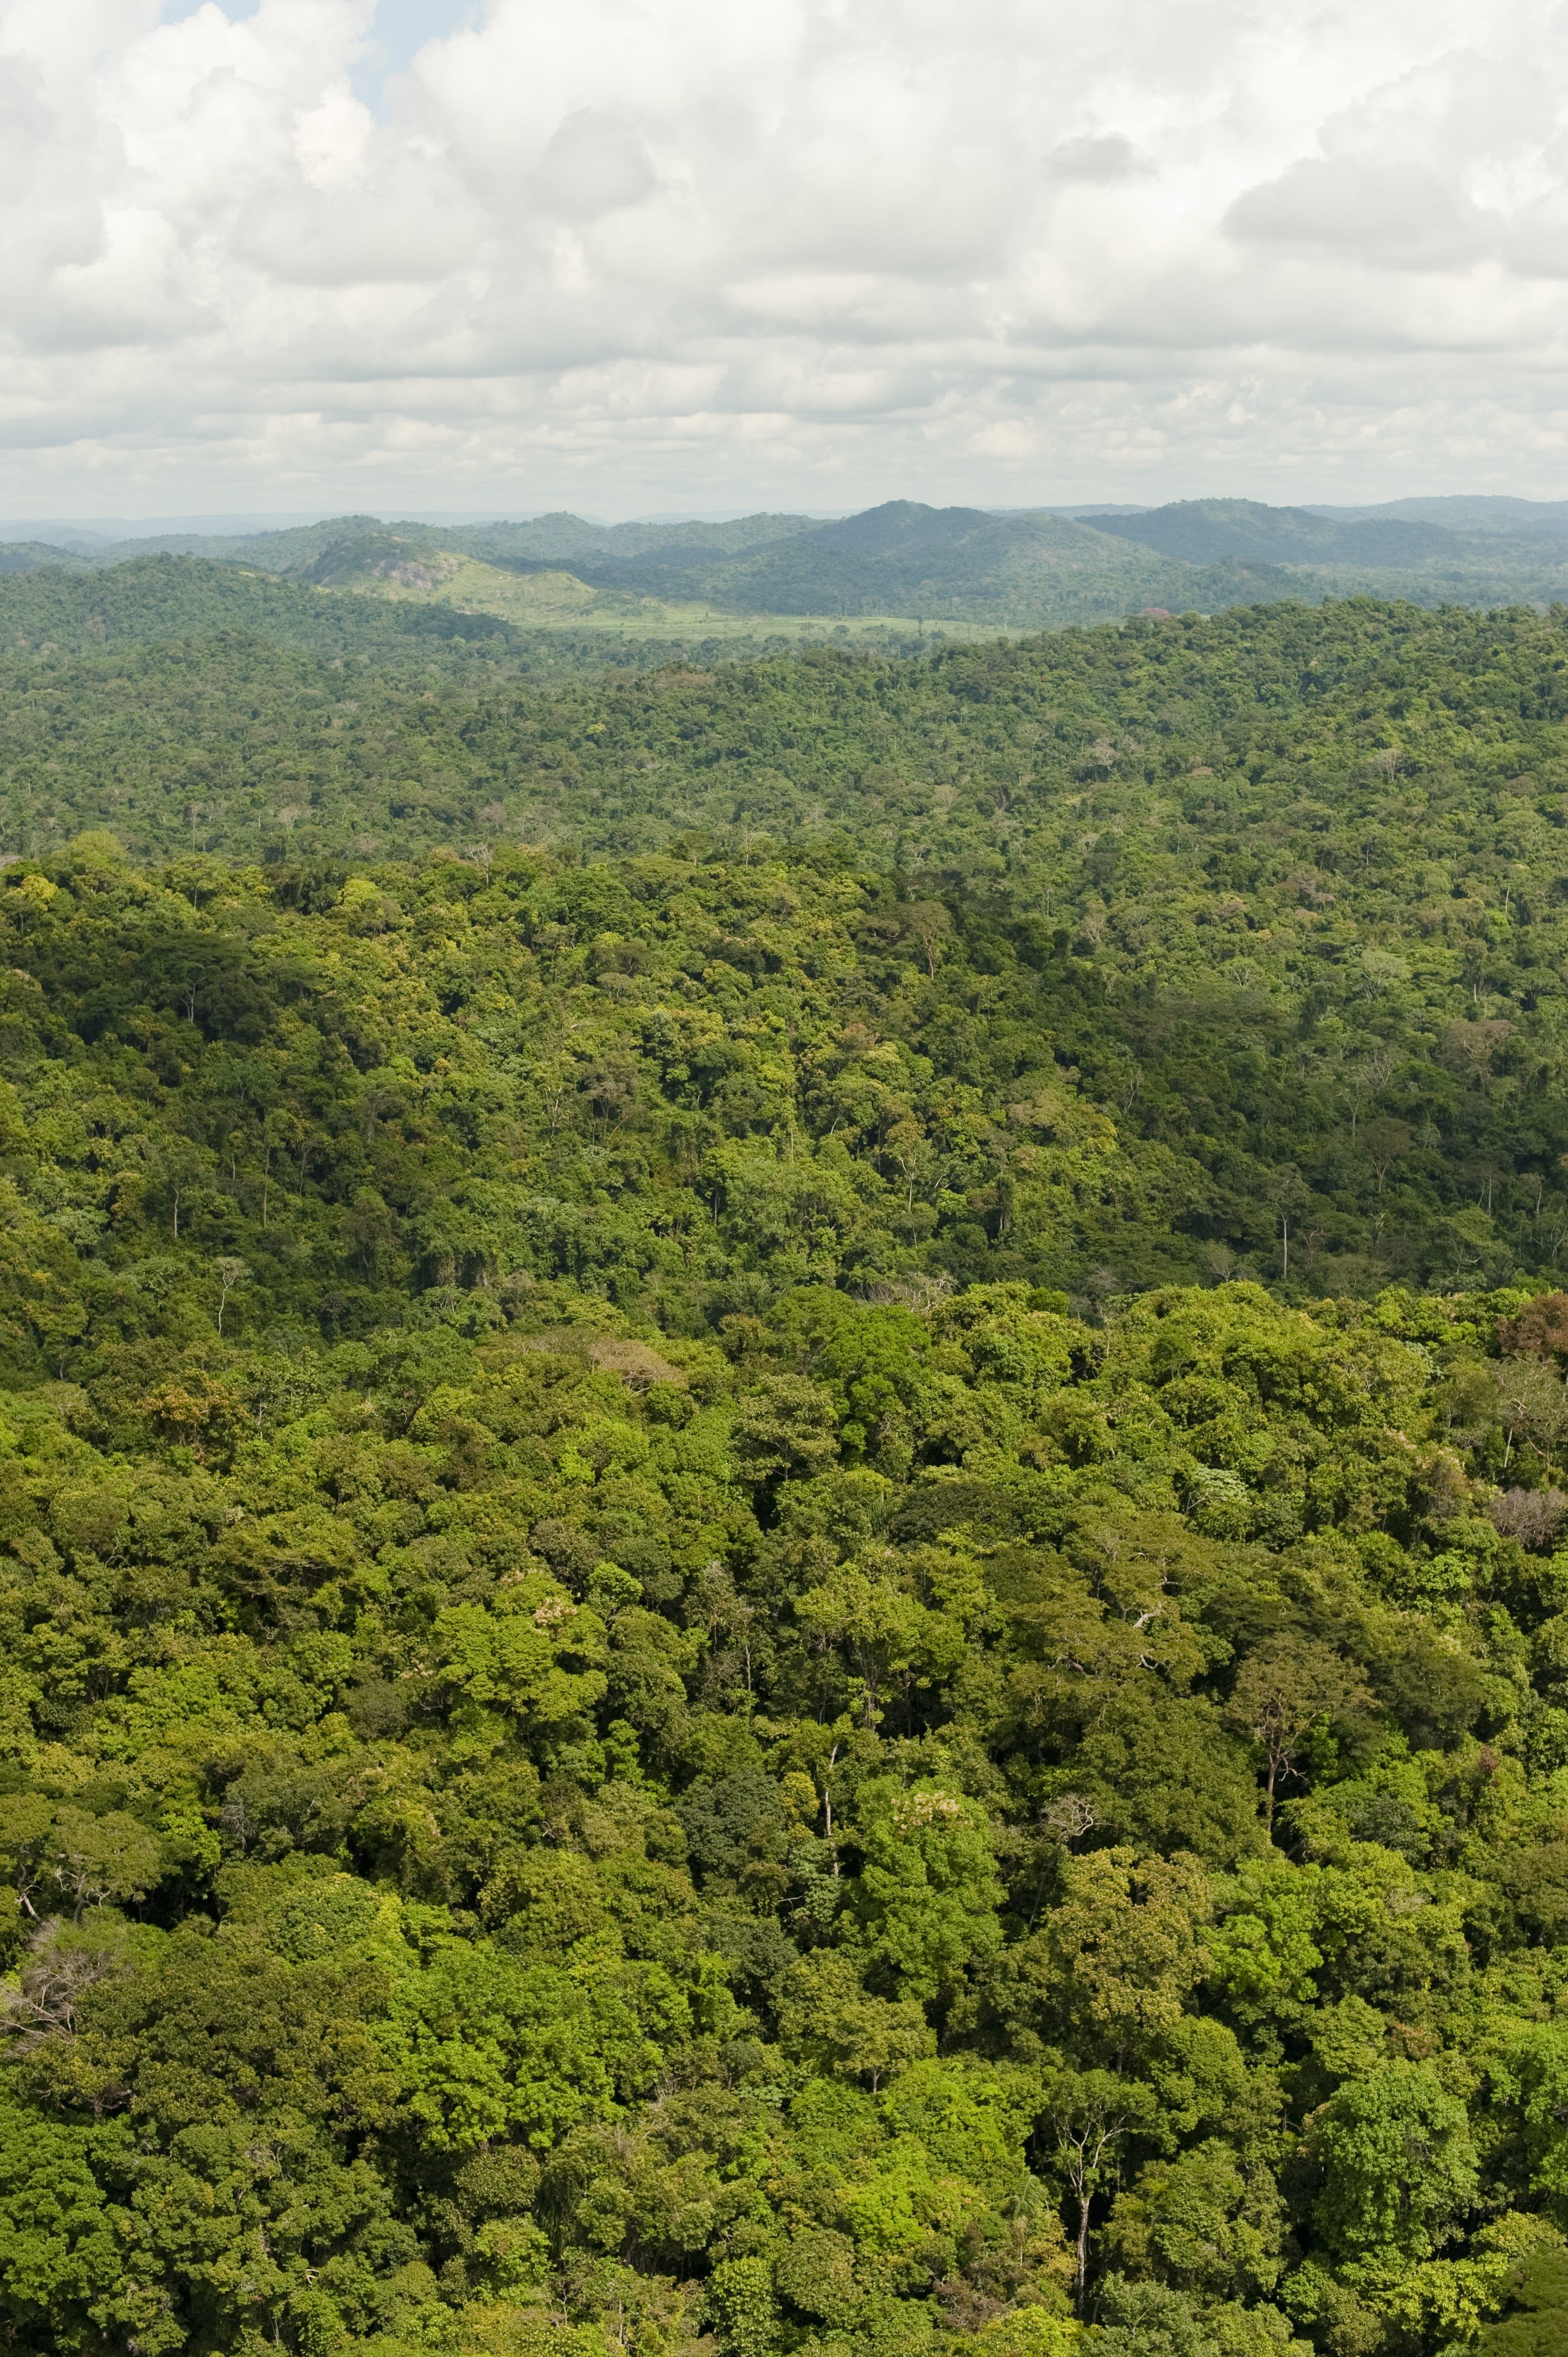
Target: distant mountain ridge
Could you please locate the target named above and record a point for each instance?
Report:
(1040, 567)
(1467, 511)
(903, 561)
(545, 539)
(1032, 568)
(1216, 532)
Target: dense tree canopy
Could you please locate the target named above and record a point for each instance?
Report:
(782, 1588)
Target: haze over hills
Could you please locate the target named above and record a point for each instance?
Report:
(1216, 532)
(1040, 569)
(1468, 512)
(101, 533)
(903, 566)
(584, 593)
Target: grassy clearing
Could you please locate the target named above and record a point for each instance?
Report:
(558, 600)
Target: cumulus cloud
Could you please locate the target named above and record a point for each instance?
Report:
(639, 253)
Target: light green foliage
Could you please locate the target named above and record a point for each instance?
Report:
(490, 2048)
(1032, 2332)
(927, 1895)
(58, 2252)
(537, 1794)
(1112, 1966)
(1398, 2163)
(1531, 2077)
(740, 2299)
(1262, 1953)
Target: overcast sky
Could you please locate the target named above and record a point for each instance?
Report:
(626, 255)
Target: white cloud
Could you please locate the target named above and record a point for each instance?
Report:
(636, 253)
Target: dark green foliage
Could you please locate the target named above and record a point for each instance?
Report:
(1539, 2326)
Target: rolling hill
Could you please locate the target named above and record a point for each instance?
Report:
(578, 591)
(1218, 532)
(1467, 511)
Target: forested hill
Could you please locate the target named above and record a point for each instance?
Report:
(49, 615)
(918, 564)
(780, 1480)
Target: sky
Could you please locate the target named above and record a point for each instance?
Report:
(630, 256)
